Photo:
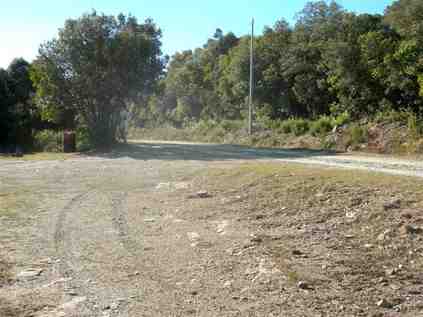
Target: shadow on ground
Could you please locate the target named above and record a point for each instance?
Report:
(202, 152)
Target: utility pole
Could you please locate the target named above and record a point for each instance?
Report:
(250, 99)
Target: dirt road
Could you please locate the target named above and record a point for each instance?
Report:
(126, 234)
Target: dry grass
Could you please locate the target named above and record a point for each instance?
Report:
(5, 274)
(346, 233)
(42, 156)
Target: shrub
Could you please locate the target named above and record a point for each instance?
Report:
(294, 126)
(322, 126)
(300, 126)
(49, 141)
(203, 126)
(286, 127)
(356, 135)
(414, 129)
(274, 124)
(232, 125)
(392, 116)
(82, 139)
(342, 119)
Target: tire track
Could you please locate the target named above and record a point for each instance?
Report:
(119, 215)
(60, 235)
(63, 247)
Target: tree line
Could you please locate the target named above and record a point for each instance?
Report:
(330, 62)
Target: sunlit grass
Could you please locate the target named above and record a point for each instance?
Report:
(42, 156)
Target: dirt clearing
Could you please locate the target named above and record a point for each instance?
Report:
(179, 230)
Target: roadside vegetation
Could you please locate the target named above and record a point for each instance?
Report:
(335, 79)
(398, 133)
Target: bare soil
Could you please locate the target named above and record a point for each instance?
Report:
(202, 230)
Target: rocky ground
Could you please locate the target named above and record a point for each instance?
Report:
(203, 230)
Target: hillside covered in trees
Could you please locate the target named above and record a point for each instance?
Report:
(331, 66)
(330, 62)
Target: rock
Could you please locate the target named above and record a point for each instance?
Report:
(61, 280)
(383, 303)
(255, 239)
(391, 272)
(182, 185)
(46, 261)
(163, 185)
(203, 194)
(415, 291)
(29, 274)
(72, 305)
(250, 271)
(393, 204)
(149, 220)
(222, 226)
(407, 215)
(410, 229)
(383, 236)
(297, 252)
(382, 281)
(200, 194)
(193, 236)
(227, 284)
(350, 214)
(114, 306)
(304, 285)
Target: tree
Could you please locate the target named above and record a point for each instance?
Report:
(331, 62)
(406, 17)
(7, 119)
(22, 90)
(95, 68)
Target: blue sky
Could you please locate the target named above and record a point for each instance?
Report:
(186, 24)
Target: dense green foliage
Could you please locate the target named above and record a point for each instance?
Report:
(17, 113)
(94, 70)
(330, 62)
(332, 67)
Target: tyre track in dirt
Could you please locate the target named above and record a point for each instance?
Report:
(119, 215)
(64, 251)
(157, 283)
(60, 242)
(109, 206)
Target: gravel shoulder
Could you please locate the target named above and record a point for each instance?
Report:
(129, 233)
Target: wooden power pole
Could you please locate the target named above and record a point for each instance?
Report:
(250, 99)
